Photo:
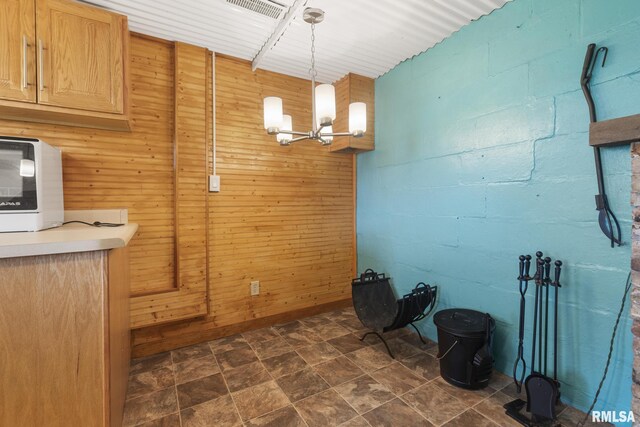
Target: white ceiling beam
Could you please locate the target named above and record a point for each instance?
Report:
(277, 33)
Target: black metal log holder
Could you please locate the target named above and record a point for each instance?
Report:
(543, 392)
(378, 309)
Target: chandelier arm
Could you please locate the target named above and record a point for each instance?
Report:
(302, 138)
(337, 134)
(293, 132)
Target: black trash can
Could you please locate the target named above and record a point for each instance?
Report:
(464, 347)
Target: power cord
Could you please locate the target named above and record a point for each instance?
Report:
(613, 337)
(94, 224)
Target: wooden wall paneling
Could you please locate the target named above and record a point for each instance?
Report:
(133, 170)
(188, 300)
(284, 216)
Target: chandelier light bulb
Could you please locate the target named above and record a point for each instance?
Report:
(287, 125)
(325, 104)
(328, 138)
(273, 114)
(357, 118)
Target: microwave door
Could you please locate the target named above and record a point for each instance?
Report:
(17, 177)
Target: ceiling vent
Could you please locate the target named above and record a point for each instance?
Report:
(264, 7)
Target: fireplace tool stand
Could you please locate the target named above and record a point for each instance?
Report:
(543, 391)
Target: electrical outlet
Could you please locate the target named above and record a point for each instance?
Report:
(255, 288)
(214, 183)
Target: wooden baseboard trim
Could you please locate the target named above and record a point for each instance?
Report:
(172, 336)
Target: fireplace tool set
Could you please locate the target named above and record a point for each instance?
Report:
(543, 391)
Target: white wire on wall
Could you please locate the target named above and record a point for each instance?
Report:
(213, 108)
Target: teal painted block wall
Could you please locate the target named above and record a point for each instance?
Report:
(482, 154)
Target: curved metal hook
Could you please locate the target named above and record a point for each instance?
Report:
(595, 59)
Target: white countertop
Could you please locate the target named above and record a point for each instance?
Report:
(65, 239)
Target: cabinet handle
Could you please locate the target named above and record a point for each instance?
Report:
(41, 65)
(25, 52)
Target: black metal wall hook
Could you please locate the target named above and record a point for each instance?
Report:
(595, 58)
(606, 219)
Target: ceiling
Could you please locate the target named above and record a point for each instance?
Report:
(367, 37)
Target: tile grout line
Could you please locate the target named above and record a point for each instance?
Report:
(175, 386)
(325, 381)
(225, 383)
(278, 385)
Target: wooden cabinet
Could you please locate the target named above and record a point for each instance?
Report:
(67, 64)
(354, 88)
(64, 339)
(79, 56)
(18, 65)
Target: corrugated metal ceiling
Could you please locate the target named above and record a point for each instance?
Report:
(367, 37)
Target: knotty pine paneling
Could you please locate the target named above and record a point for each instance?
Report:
(133, 170)
(285, 215)
(189, 299)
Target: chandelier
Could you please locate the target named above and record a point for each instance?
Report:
(323, 105)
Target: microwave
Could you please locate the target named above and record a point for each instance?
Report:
(31, 196)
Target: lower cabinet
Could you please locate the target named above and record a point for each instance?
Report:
(64, 339)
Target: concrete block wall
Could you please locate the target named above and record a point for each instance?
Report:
(482, 155)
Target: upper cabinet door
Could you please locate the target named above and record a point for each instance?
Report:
(17, 57)
(80, 56)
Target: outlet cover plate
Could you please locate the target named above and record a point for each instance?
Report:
(255, 288)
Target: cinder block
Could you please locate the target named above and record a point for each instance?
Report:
(539, 36)
(603, 16)
(530, 121)
(557, 72)
(572, 114)
(506, 163)
(562, 157)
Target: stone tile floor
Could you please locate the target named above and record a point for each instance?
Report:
(311, 372)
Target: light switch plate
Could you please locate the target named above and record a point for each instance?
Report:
(214, 183)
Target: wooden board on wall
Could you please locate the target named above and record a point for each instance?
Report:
(132, 170)
(284, 215)
(189, 299)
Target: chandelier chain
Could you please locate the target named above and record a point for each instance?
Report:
(312, 70)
